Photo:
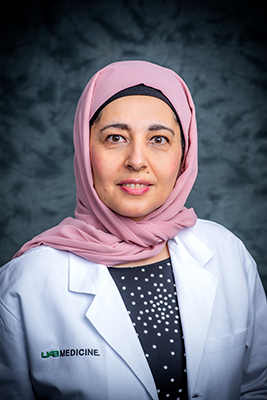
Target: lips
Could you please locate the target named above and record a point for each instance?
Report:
(135, 187)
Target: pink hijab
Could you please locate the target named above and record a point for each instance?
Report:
(97, 233)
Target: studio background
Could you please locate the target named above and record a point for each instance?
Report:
(49, 51)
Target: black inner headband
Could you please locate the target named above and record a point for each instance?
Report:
(140, 90)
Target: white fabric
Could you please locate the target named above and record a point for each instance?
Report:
(53, 300)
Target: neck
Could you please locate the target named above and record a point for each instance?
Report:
(159, 257)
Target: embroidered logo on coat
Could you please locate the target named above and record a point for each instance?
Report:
(71, 352)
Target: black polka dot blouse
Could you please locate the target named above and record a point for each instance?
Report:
(149, 294)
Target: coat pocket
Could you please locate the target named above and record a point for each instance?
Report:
(226, 343)
(224, 357)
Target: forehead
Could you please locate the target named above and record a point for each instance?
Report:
(137, 106)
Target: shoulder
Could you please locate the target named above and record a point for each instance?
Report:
(224, 245)
(207, 227)
(214, 235)
(36, 268)
(36, 259)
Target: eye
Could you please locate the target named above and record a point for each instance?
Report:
(159, 139)
(115, 138)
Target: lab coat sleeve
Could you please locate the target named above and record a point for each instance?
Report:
(254, 382)
(15, 382)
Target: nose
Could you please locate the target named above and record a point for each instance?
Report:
(136, 157)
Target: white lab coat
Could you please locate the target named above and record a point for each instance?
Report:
(56, 307)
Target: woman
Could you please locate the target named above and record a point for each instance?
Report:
(135, 298)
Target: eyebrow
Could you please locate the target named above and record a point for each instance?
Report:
(125, 127)
(160, 127)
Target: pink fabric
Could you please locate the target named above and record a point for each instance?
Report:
(97, 233)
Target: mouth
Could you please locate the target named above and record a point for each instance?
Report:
(134, 187)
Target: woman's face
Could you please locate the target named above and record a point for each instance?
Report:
(135, 150)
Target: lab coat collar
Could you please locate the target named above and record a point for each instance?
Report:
(196, 289)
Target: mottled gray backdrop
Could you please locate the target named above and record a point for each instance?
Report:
(50, 49)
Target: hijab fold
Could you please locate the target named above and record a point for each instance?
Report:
(97, 233)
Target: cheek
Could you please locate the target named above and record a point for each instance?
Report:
(98, 169)
(104, 170)
(169, 170)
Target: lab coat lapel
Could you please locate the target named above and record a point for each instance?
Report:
(109, 316)
(196, 289)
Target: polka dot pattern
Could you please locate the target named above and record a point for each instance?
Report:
(149, 294)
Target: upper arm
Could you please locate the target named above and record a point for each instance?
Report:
(254, 380)
(15, 382)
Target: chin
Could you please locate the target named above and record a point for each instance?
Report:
(130, 216)
(134, 216)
